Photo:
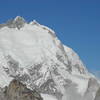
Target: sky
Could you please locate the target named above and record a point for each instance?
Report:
(76, 23)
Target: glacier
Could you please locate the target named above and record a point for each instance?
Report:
(32, 53)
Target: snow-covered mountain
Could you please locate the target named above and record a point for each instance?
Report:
(33, 54)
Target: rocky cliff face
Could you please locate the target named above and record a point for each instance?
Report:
(18, 91)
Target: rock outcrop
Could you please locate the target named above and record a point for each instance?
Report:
(18, 91)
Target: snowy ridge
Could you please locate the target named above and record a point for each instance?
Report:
(33, 54)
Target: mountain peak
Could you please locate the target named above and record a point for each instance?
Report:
(18, 22)
(19, 18)
(32, 54)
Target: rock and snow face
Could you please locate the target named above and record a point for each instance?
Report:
(18, 91)
(33, 54)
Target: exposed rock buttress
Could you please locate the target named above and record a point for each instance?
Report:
(18, 91)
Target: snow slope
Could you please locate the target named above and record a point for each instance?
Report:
(48, 97)
(33, 54)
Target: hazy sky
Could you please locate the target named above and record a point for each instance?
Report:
(76, 23)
